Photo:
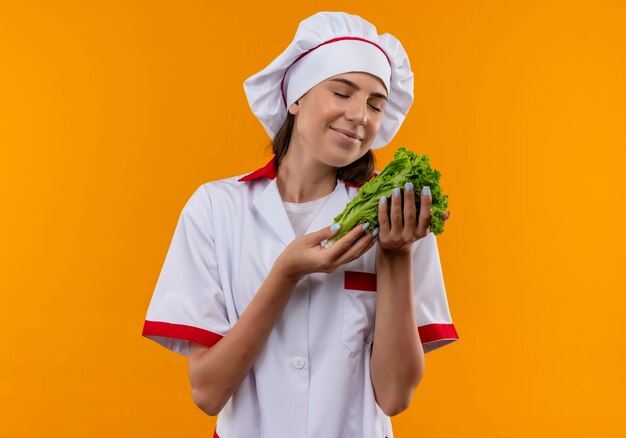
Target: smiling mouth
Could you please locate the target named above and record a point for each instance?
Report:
(348, 134)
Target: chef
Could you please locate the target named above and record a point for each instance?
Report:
(285, 338)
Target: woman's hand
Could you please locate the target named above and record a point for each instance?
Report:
(400, 229)
(305, 255)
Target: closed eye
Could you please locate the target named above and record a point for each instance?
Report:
(345, 96)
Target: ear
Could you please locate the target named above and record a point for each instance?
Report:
(294, 108)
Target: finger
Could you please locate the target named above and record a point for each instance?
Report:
(446, 216)
(325, 233)
(360, 247)
(410, 212)
(383, 216)
(396, 211)
(345, 242)
(424, 215)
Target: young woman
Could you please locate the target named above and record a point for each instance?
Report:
(284, 338)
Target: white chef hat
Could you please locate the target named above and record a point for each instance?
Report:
(327, 44)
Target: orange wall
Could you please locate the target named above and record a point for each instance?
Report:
(113, 113)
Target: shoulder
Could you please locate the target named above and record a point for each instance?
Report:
(223, 187)
(232, 186)
(212, 193)
(227, 193)
(216, 205)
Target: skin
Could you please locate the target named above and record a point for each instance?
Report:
(316, 150)
(350, 102)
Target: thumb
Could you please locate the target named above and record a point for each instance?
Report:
(325, 233)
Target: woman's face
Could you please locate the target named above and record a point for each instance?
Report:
(338, 119)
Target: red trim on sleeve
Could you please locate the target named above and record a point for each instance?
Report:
(436, 332)
(215, 435)
(363, 281)
(180, 331)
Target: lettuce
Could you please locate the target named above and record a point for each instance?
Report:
(406, 166)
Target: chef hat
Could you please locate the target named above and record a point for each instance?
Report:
(327, 44)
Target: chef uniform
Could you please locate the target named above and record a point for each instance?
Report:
(312, 378)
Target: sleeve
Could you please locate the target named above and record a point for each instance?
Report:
(188, 303)
(432, 314)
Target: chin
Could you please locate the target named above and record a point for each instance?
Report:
(341, 158)
(338, 155)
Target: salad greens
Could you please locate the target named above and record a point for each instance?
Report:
(406, 166)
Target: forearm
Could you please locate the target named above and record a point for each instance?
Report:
(216, 373)
(397, 363)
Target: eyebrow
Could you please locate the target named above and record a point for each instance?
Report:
(356, 87)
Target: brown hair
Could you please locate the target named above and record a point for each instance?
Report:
(356, 173)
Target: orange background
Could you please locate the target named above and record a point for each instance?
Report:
(112, 113)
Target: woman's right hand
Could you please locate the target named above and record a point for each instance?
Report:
(212, 383)
(305, 254)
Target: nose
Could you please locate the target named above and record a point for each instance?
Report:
(357, 111)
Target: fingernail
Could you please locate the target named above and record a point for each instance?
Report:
(375, 232)
(383, 200)
(426, 191)
(366, 226)
(396, 192)
(408, 187)
(335, 228)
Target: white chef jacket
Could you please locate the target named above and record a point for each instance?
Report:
(312, 378)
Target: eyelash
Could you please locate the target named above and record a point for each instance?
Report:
(343, 96)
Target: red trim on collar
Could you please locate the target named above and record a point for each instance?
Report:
(269, 171)
(349, 184)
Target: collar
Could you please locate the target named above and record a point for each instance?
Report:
(269, 171)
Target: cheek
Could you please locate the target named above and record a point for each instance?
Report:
(375, 125)
(328, 113)
(319, 117)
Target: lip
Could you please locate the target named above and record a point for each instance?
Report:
(347, 133)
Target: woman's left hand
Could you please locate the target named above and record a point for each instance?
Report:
(400, 229)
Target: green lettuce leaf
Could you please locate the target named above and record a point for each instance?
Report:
(405, 167)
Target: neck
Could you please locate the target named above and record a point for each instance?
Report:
(300, 178)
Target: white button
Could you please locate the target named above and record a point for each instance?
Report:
(298, 363)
